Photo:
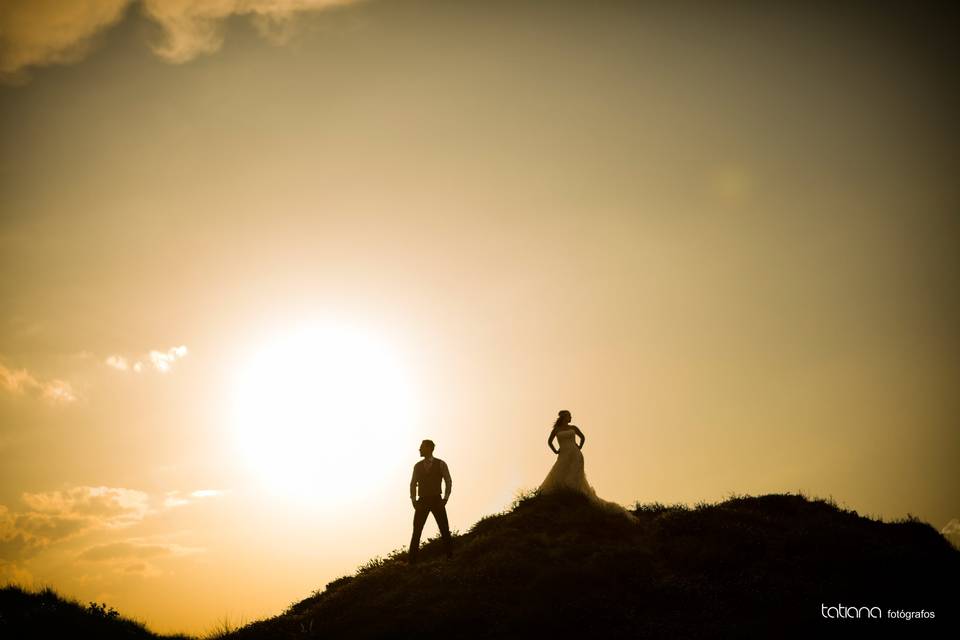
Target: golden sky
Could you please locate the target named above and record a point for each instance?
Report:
(252, 252)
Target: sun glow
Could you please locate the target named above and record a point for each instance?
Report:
(322, 413)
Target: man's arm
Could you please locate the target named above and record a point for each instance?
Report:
(448, 483)
(413, 486)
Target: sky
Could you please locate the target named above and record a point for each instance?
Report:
(253, 251)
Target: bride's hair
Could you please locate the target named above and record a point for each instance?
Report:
(559, 420)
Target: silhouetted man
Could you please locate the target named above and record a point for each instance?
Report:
(427, 476)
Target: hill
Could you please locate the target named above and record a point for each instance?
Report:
(556, 566)
(45, 614)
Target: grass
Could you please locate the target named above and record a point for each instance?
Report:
(223, 628)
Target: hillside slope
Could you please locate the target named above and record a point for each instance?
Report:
(45, 614)
(555, 566)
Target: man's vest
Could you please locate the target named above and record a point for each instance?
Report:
(428, 482)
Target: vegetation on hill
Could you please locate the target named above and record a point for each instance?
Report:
(556, 566)
(45, 614)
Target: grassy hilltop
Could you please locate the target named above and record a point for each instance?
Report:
(555, 566)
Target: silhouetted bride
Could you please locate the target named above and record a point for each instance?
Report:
(568, 473)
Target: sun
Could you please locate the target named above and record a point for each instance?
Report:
(323, 413)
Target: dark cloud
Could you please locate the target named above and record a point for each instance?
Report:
(49, 527)
(45, 32)
(55, 516)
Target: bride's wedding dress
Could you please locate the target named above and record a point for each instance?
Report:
(568, 474)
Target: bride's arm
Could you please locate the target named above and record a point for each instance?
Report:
(583, 438)
(553, 434)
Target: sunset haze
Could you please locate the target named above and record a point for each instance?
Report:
(251, 256)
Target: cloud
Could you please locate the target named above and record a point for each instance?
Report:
(13, 549)
(124, 551)
(36, 33)
(58, 515)
(162, 361)
(952, 532)
(134, 549)
(22, 382)
(177, 499)
(109, 506)
(134, 556)
(142, 569)
(117, 362)
(40, 529)
(55, 517)
(207, 493)
(137, 567)
(174, 500)
(14, 573)
(14, 544)
(193, 28)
